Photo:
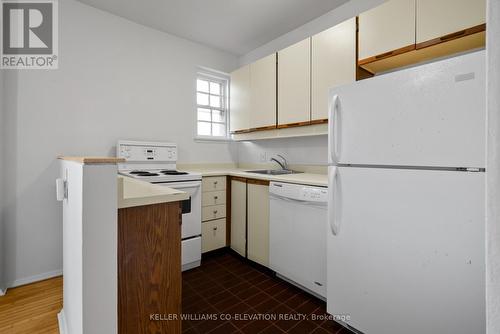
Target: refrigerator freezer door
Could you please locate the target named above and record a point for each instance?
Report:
(408, 256)
(430, 115)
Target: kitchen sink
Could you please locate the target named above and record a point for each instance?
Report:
(273, 171)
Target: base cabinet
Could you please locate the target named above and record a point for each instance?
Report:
(213, 213)
(238, 215)
(258, 221)
(250, 219)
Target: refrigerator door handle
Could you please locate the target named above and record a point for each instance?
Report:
(332, 207)
(333, 130)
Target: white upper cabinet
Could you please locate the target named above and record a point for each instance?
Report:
(263, 92)
(438, 18)
(333, 64)
(294, 78)
(386, 28)
(240, 99)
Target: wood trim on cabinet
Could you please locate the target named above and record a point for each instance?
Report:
(392, 53)
(293, 125)
(237, 132)
(276, 88)
(258, 182)
(263, 128)
(319, 121)
(238, 178)
(228, 211)
(361, 73)
(452, 36)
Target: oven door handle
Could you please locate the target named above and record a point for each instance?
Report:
(182, 185)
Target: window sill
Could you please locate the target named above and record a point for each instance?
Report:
(201, 139)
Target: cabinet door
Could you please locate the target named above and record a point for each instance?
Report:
(385, 28)
(238, 216)
(258, 223)
(294, 78)
(333, 63)
(263, 92)
(438, 18)
(240, 99)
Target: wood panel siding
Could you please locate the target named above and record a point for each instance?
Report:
(149, 268)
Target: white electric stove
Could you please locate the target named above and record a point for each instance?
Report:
(156, 162)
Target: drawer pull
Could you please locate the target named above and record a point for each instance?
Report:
(215, 228)
(216, 197)
(215, 182)
(383, 55)
(453, 35)
(215, 212)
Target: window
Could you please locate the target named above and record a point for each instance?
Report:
(211, 106)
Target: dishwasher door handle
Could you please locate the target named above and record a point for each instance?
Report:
(296, 201)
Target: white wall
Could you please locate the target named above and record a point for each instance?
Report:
(326, 21)
(493, 171)
(2, 189)
(116, 80)
(302, 151)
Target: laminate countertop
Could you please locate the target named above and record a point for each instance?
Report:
(311, 179)
(132, 192)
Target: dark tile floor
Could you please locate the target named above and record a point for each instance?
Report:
(229, 295)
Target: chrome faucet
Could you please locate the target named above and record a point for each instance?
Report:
(283, 163)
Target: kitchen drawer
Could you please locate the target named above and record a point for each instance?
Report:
(213, 235)
(214, 183)
(213, 212)
(213, 198)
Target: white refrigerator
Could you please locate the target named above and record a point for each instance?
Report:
(406, 205)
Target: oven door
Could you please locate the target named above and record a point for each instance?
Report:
(191, 219)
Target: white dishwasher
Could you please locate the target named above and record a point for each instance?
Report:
(297, 234)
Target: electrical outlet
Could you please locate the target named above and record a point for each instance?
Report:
(263, 157)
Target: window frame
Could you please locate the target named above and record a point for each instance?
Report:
(223, 80)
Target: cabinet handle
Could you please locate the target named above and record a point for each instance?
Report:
(216, 197)
(215, 183)
(215, 228)
(383, 55)
(215, 212)
(453, 35)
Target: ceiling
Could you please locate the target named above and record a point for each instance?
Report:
(235, 26)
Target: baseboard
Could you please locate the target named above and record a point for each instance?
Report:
(61, 319)
(35, 278)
